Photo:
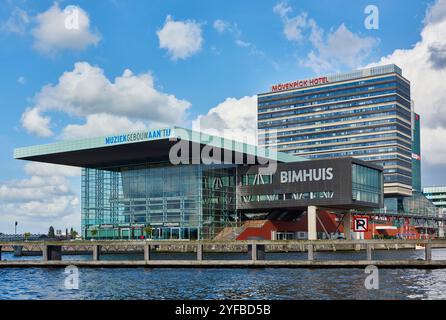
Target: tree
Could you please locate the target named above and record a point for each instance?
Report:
(26, 235)
(73, 233)
(94, 232)
(51, 233)
(148, 231)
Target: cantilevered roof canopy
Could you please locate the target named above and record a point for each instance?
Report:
(149, 147)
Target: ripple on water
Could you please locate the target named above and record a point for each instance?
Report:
(268, 283)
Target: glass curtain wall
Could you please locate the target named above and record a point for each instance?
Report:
(219, 199)
(367, 184)
(176, 202)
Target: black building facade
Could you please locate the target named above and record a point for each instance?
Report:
(335, 183)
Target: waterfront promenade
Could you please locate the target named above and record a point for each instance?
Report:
(52, 252)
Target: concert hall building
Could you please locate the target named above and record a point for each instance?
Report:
(174, 183)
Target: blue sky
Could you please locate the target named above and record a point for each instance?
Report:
(231, 52)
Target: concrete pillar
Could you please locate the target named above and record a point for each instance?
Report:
(310, 249)
(45, 252)
(199, 252)
(254, 252)
(273, 235)
(440, 229)
(18, 251)
(347, 224)
(52, 253)
(428, 252)
(146, 252)
(97, 252)
(260, 252)
(311, 218)
(369, 251)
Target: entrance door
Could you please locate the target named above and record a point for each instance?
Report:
(158, 233)
(175, 233)
(125, 233)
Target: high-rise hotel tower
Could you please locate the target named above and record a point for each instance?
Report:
(364, 114)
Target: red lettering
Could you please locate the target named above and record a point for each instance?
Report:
(299, 84)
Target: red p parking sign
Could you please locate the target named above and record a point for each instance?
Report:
(361, 224)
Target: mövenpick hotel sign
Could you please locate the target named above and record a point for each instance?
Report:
(299, 84)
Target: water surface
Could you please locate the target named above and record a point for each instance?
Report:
(238, 283)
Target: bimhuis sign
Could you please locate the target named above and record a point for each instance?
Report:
(297, 184)
(306, 175)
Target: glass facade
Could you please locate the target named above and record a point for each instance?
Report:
(416, 154)
(131, 190)
(367, 114)
(437, 195)
(288, 196)
(417, 204)
(176, 202)
(197, 201)
(367, 184)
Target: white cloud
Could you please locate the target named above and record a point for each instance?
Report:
(181, 39)
(47, 170)
(436, 13)
(17, 22)
(21, 80)
(100, 125)
(293, 27)
(282, 9)
(433, 149)
(425, 66)
(233, 118)
(223, 26)
(340, 48)
(333, 50)
(35, 123)
(34, 189)
(44, 198)
(58, 29)
(87, 93)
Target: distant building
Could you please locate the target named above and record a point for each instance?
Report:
(416, 153)
(437, 194)
(21, 237)
(366, 114)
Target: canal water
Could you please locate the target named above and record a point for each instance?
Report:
(242, 283)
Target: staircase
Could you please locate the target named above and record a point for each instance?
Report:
(228, 233)
(231, 233)
(254, 224)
